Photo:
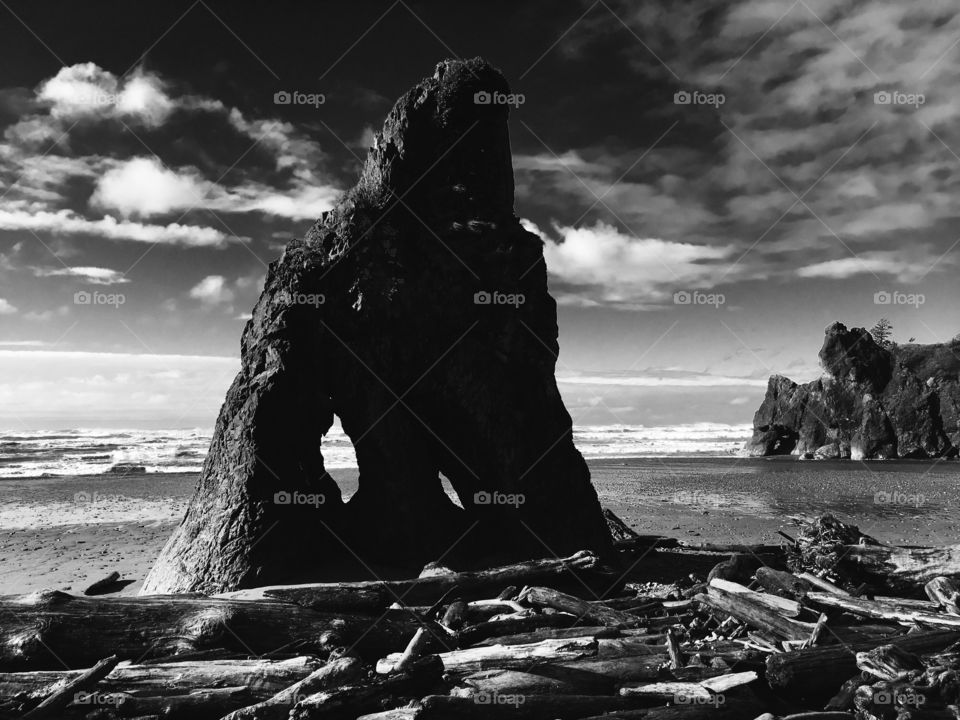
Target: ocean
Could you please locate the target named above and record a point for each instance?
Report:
(86, 451)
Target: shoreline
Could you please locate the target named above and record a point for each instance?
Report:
(66, 532)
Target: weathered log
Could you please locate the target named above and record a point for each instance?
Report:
(44, 630)
(373, 595)
(475, 634)
(601, 631)
(902, 569)
(194, 705)
(683, 693)
(753, 613)
(673, 650)
(53, 705)
(815, 672)
(782, 606)
(263, 677)
(340, 671)
(505, 656)
(824, 585)
(945, 592)
(586, 612)
(345, 703)
(414, 650)
(782, 583)
(884, 611)
(889, 662)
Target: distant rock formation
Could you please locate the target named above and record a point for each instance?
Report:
(873, 403)
(417, 312)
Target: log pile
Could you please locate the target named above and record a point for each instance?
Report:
(802, 639)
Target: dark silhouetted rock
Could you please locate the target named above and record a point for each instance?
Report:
(873, 403)
(417, 312)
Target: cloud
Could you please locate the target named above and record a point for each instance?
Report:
(91, 275)
(6, 308)
(212, 290)
(895, 263)
(85, 90)
(599, 264)
(142, 186)
(68, 222)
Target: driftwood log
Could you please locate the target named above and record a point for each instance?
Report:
(376, 595)
(45, 630)
(818, 672)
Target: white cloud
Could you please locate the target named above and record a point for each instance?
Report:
(66, 221)
(87, 90)
(142, 186)
(667, 379)
(611, 267)
(92, 275)
(6, 308)
(907, 267)
(212, 290)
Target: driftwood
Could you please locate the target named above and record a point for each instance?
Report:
(53, 705)
(378, 595)
(505, 656)
(884, 610)
(263, 677)
(104, 585)
(44, 630)
(340, 671)
(760, 616)
(347, 702)
(687, 692)
(782, 583)
(584, 611)
(813, 672)
(903, 569)
(945, 592)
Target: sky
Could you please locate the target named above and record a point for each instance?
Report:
(714, 182)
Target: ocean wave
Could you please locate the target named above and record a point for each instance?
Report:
(91, 451)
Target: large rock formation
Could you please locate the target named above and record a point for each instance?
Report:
(417, 312)
(873, 403)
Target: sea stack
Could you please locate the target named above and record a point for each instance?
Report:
(417, 312)
(900, 401)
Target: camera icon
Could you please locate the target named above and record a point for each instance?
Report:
(282, 98)
(482, 498)
(882, 298)
(282, 498)
(682, 97)
(883, 697)
(682, 297)
(882, 98)
(482, 298)
(482, 98)
(82, 297)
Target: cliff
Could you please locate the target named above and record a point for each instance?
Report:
(872, 403)
(417, 312)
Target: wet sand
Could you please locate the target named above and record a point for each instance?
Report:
(64, 533)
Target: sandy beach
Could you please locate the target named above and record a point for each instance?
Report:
(66, 532)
